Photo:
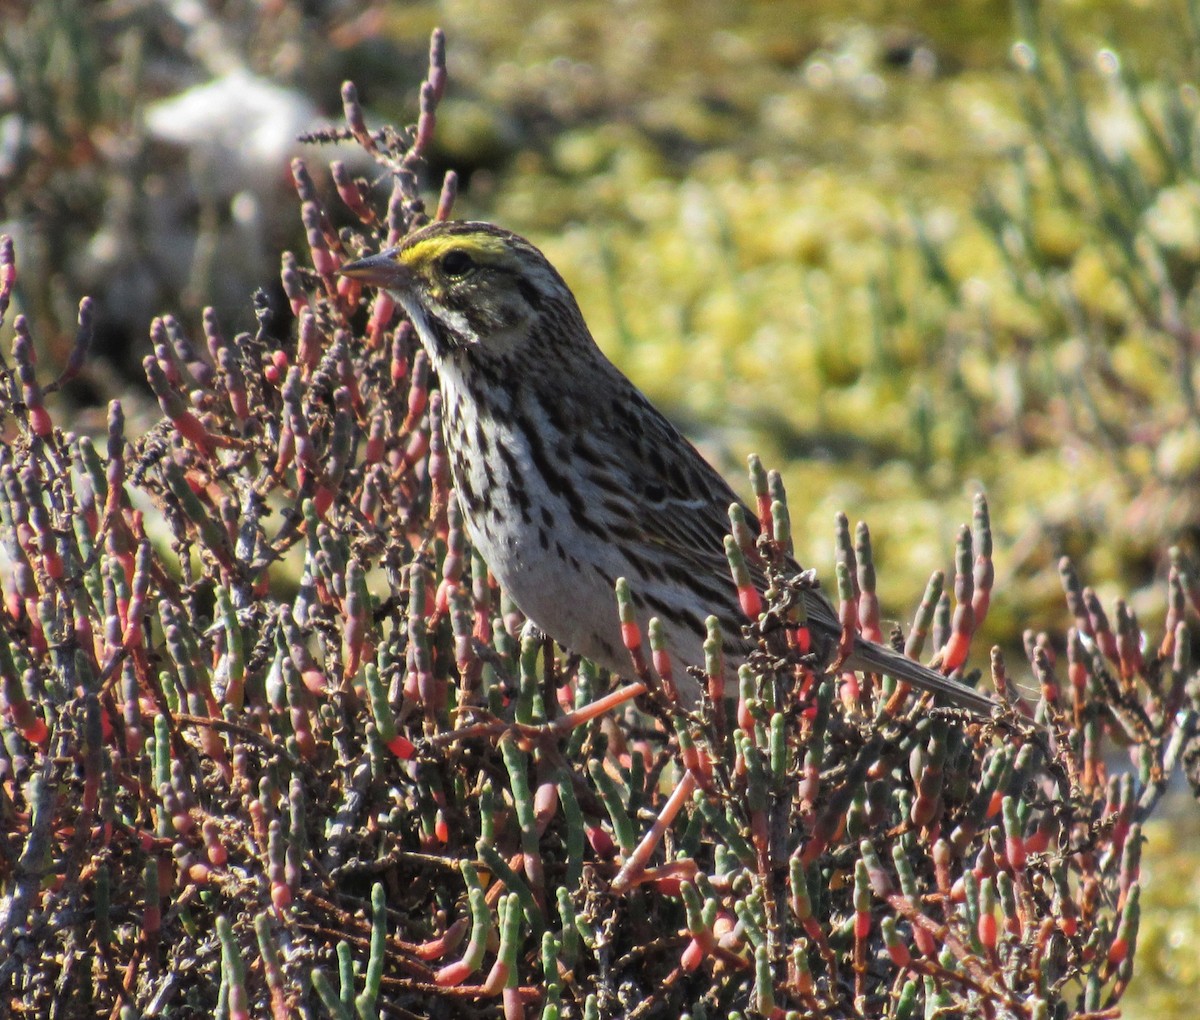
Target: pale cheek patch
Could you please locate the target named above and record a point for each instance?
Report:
(456, 322)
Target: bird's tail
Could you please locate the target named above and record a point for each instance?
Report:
(873, 658)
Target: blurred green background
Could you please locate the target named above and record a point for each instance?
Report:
(904, 251)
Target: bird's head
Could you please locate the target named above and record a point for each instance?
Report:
(470, 288)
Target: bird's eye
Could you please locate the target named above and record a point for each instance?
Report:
(457, 263)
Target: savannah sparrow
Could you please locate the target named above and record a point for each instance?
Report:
(568, 476)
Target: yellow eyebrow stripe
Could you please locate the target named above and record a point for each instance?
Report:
(482, 246)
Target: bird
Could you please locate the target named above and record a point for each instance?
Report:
(569, 478)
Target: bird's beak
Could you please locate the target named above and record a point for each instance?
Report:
(381, 270)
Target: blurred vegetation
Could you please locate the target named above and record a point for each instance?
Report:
(872, 248)
(897, 255)
(890, 229)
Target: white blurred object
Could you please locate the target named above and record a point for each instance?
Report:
(238, 129)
